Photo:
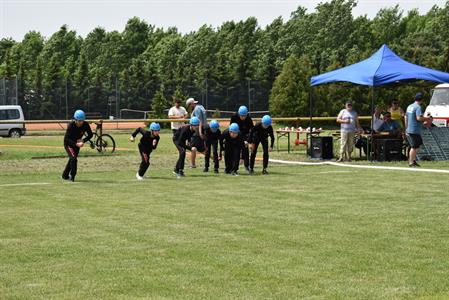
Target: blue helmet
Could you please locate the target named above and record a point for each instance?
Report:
(214, 125)
(234, 127)
(79, 115)
(266, 120)
(194, 121)
(155, 126)
(243, 110)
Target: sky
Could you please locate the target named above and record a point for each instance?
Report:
(17, 17)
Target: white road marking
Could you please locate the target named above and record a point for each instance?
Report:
(24, 184)
(408, 169)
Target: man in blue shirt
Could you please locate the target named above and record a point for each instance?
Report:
(389, 125)
(198, 139)
(413, 124)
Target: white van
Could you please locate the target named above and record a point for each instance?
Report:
(438, 107)
(12, 113)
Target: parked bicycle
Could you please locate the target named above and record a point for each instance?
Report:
(104, 143)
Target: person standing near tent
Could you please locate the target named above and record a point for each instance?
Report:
(182, 140)
(177, 112)
(349, 121)
(231, 143)
(397, 113)
(414, 120)
(148, 143)
(259, 135)
(243, 119)
(213, 134)
(73, 142)
(198, 139)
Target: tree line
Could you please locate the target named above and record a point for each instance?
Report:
(144, 67)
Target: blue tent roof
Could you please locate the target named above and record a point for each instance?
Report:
(381, 68)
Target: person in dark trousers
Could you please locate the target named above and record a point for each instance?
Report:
(181, 139)
(414, 119)
(232, 143)
(212, 134)
(245, 123)
(259, 135)
(148, 143)
(74, 141)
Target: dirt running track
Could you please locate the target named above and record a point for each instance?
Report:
(62, 126)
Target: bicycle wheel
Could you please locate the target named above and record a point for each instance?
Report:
(93, 140)
(105, 143)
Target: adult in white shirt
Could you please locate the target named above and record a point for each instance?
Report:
(177, 112)
(349, 122)
(377, 118)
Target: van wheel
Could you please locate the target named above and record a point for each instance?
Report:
(14, 133)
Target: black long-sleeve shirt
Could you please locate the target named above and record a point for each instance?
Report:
(147, 140)
(227, 142)
(74, 133)
(258, 133)
(182, 136)
(212, 136)
(244, 125)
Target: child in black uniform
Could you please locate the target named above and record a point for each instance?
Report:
(213, 134)
(73, 142)
(243, 119)
(232, 143)
(148, 143)
(182, 139)
(259, 135)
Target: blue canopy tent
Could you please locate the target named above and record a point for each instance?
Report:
(382, 68)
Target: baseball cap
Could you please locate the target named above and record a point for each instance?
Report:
(419, 96)
(190, 101)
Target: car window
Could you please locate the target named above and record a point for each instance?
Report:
(440, 97)
(3, 115)
(13, 114)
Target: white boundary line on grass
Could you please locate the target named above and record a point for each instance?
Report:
(358, 166)
(24, 184)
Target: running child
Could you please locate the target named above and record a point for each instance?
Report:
(212, 134)
(148, 143)
(232, 143)
(74, 141)
(182, 139)
(259, 135)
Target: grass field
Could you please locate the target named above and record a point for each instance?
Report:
(319, 232)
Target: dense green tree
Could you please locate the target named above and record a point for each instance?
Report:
(238, 62)
(290, 93)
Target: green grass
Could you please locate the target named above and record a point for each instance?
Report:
(302, 232)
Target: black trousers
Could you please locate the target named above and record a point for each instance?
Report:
(145, 163)
(232, 159)
(265, 153)
(72, 164)
(245, 154)
(211, 146)
(181, 158)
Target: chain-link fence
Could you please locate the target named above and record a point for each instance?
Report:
(108, 100)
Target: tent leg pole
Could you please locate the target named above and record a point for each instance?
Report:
(309, 148)
(370, 144)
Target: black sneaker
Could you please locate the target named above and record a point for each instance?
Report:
(216, 171)
(264, 172)
(206, 169)
(416, 164)
(65, 177)
(72, 178)
(247, 170)
(181, 173)
(235, 173)
(227, 172)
